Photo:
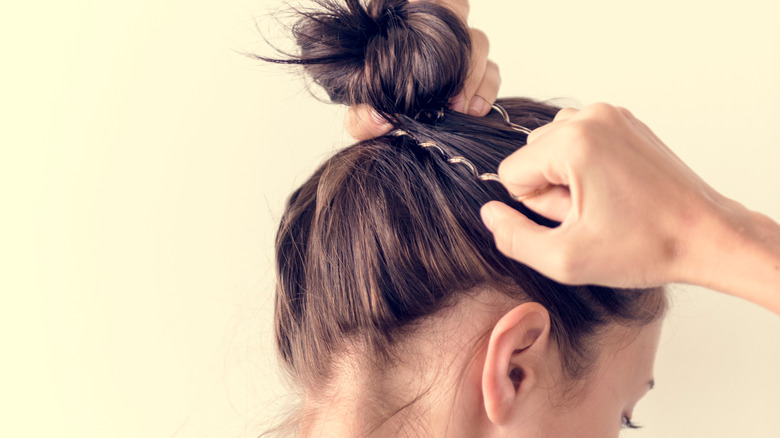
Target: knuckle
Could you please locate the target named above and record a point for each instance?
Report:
(582, 138)
(566, 113)
(599, 107)
(625, 112)
(492, 68)
(361, 124)
(491, 80)
(505, 168)
(507, 240)
(495, 77)
(479, 39)
(565, 265)
(603, 110)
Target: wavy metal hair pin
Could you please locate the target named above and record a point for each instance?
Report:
(505, 115)
(487, 176)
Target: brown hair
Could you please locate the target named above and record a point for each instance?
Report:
(385, 232)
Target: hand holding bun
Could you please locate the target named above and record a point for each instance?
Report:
(400, 58)
(476, 97)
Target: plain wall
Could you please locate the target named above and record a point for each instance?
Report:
(145, 163)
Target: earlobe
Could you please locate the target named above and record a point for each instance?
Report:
(515, 360)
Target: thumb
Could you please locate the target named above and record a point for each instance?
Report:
(363, 122)
(516, 236)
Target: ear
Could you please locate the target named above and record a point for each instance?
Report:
(515, 360)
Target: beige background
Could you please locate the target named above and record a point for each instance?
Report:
(144, 164)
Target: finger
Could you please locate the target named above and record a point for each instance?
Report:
(362, 123)
(534, 166)
(478, 63)
(539, 132)
(562, 116)
(553, 204)
(565, 114)
(486, 94)
(458, 103)
(515, 235)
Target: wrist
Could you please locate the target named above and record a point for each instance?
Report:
(736, 251)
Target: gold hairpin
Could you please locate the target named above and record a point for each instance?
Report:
(457, 159)
(505, 115)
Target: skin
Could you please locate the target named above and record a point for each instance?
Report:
(622, 377)
(488, 367)
(619, 230)
(478, 95)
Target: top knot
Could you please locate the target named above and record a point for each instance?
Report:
(398, 57)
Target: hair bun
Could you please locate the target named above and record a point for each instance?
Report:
(399, 57)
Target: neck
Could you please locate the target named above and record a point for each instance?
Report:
(412, 407)
(435, 392)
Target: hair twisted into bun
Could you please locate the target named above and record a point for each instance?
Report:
(399, 57)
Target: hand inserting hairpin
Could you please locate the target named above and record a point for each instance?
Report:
(466, 162)
(518, 198)
(457, 159)
(495, 177)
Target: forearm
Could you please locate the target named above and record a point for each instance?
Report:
(737, 252)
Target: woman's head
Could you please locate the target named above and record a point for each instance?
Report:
(388, 283)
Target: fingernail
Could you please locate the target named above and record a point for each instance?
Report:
(378, 119)
(458, 103)
(487, 216)
(478, 106)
